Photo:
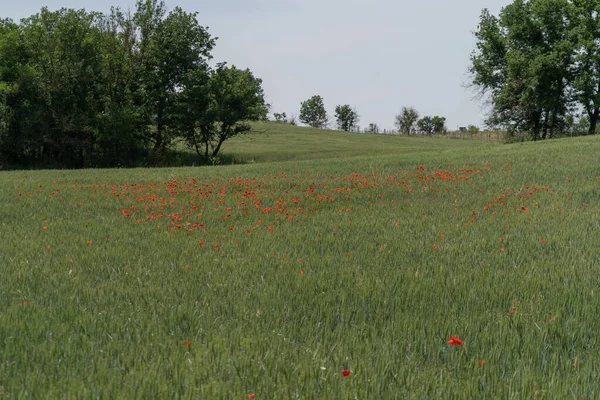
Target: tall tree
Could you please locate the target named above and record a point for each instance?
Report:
(312, 112)
(406, 121)
(522, 64)
(59, 87)
(346, 117)
(586, 66)
(169, 47)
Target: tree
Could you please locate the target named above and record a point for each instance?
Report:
(312, 112)
(218, 105)
(55, 88)
(84, 89)
(522, 65)
(586, 66)
(373, 128)
(472, 129)
(280, 117)
(406, 121)
(346, 117)
(169, 48)
(439, 124)
(425, 125)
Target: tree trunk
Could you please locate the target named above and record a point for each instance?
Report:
(218, 146)
(159, 144)
(593, 121)
(545, 125)
(536, 128)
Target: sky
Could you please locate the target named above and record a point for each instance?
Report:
(376, 55)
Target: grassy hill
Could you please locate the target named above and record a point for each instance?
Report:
(341, 272)
(283, 142)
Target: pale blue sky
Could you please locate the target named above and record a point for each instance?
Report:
(376, 55)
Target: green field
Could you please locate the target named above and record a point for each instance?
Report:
(353, 252)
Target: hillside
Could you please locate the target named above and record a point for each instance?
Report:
(283, 142)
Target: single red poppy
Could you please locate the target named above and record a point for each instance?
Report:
(346, 372)
(454, 341)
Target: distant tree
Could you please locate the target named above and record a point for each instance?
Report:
(312, 112)
(292, 120)
(373, 128)
(425, 125)
(217, 106)
(406, 121)
(280, 117)
(346, 117)
(472, 129)
(439, 124)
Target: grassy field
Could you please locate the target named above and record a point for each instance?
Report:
(283, 142)
(360, 254)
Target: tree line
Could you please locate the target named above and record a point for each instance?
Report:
(537, 63)
(408, 121)
(84, 88)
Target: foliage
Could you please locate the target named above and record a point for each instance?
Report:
(82, 89)
(280, 117)
(439, 124)
(171, 47)
(473, 129)
(429, 125)
(216, 106)
(346, 117)
(406, 121)
(425, 125)
(312, 112)
(373, 128)
(537, 63)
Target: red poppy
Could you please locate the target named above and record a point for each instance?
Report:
(481, 362)
(346, 372)
(251, 395)
(454, 341)
(187, 343)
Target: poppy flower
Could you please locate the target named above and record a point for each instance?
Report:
(481, 362)
(346, 372)
(187, 343)
(250, 395)
(454, 341)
